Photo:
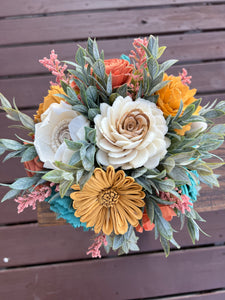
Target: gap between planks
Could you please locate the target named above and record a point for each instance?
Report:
(19, 9)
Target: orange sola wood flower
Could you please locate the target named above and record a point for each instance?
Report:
(109, 201)
(167, 213)
(48, 100)
(171, 95)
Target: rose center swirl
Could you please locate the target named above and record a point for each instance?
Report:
(108, 197)
(60, 132)
(134, 123)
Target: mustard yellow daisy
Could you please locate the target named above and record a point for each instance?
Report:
(109, 201)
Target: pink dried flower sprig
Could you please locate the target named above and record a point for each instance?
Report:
(184, 78)
(94, 249)
(39, 194)
(54, 66)
(181, 204)
(140, 62)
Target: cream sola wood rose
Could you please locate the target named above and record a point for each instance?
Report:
(131, 134)
(58, 122)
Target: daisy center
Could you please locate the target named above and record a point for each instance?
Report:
(108, 198)
(60, 132)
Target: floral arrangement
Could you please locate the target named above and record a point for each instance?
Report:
(117, 146)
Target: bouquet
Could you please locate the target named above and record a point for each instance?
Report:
(117, 146)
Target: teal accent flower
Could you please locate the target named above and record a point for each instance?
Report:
(63, 207)
(191, 190)
(125, 57)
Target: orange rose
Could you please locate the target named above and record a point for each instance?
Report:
(48, 100)
(33, 165)
(167, 213)
(120, 69)
(171, 95)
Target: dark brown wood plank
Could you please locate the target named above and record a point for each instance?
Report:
(28, 92)
(23, 7)
(207, 77)
(37, 245)
(46, 217)
(189, 47)
(65, 243)
(124, 23)
(8, 211)
(141, 276)
(218, 295)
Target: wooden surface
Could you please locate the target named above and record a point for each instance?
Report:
(50, 262)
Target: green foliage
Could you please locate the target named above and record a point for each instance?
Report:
(153, 75)
(123, 243)
(15, 115)
(21, 185)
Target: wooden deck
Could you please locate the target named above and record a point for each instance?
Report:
(49, 263)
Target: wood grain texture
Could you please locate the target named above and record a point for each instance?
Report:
(182, 47)
(46, 217)
(24, 7)
(129, 277)
(8, 212)
(38, 245)
(113, 24)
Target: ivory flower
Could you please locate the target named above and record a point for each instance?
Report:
(59, 122)
(197, 126)
(131, 134)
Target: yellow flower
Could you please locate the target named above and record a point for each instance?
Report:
(170, 97)
(109, 201)
(48, 100)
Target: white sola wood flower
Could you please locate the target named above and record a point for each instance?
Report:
(59, 122)
(131, 134)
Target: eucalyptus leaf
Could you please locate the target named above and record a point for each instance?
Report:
(150, 209)
(193, 230)
(93, 112)
(95, 50)
(80, 57)
(11, 144)
(166, 245)
(158, 87)
(65, 167)
(64, 187)
(169, 164)
(81, 109)
(118, 241)
(74, 146)
(26, 121)
(122, 90)
(2, 149)
(99, 69)
(24, 183)
(75, 158)
(29, 154)
(11, 195)
(55, 176)
(92, 94)
(109, 84)
(153, 67)
(167, 64)
(12, 155)
(212, 114)
(4, 101)
(138, 172)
